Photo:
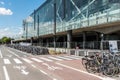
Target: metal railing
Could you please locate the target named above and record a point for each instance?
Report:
(88, 45)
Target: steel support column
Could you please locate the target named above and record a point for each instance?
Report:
(31, 41)
(84, 39)
(54, 34)
(26, 25)
(38, 28)
(69, 39)
(34, 19)
(102, 39)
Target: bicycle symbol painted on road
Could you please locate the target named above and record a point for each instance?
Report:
(22, 69)
(52, 67)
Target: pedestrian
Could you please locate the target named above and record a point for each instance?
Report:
(76, 50)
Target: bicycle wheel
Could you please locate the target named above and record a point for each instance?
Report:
(90, 66)
(84, 61)
(109, 70)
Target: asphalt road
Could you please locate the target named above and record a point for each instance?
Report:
(12, 67)
(17, 65)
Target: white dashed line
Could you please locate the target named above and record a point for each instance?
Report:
(55, 58)
(27, 60)
(6, 73)
(17, 61)
(14, 54)
(62, 57)
(6, 61)
(43, 72)
(1, 56)
(37, 60)
(46, 59)
(73, 57)
(33, 66)
(54, 79)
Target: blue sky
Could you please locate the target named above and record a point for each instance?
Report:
(12, 12)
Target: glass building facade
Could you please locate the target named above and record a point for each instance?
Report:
(70, 15)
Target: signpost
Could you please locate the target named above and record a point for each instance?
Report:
(113, 47)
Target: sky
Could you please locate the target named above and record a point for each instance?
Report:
(12, 13)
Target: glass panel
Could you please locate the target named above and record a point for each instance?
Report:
(72, 14)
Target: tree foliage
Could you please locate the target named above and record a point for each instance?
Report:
(5, 40)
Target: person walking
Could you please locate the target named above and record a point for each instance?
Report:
(77, 50)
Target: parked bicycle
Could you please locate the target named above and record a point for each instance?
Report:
(106, 63)
(35, 50)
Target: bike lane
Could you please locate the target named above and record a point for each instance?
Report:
(66, 70)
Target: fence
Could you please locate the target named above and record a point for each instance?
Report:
(81, 45)
(86, 48)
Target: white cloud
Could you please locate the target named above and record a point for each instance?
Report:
(2, 3)
(4, 11)
(11, 32)
(6, 29)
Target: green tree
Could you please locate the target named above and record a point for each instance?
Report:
(5, 40)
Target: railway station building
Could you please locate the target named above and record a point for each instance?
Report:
(71, 23)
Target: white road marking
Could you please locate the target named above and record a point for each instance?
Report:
(1, 56)
(33, 66)
(14, 54)
(25, 55)
(6, 73)
(57, 68)
(62, 57)
(6, 61)
(52, 67)
(24, 72)
(55, 58)
(83, 71)
(43, 72)
(46, 59)
(107, 78)
(22, 52)
(19, 67)
(9, 56)
(27, 60)
(76, 56)
(17, 61)
(54, 79)
(73, 57)
(37, 60)
(48, 66)
(19, 51)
